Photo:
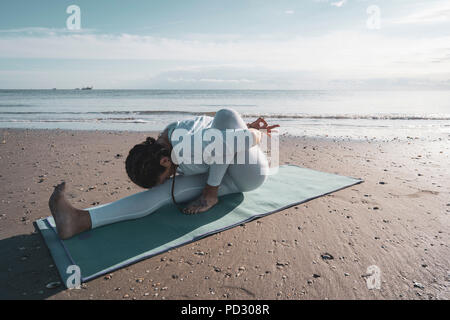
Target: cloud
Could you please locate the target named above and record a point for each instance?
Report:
(289, 12)
(436, 14)
(231, 76)
(335, 52)
(226, 81)
(284, 61)
(339, 3)
(261, 77)
(39, 31)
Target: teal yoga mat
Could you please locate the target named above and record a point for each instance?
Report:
(105, 249)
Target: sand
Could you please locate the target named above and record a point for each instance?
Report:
(397, 220)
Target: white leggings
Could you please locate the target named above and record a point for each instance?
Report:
(236, 178)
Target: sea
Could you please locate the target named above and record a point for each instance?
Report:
(340, 114)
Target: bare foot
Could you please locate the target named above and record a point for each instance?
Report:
(69, 220)
(202, 204)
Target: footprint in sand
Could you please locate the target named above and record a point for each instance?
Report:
(417, 194)
(246, 291)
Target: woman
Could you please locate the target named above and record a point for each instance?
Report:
(151, 164)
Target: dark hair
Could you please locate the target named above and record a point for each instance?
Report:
(143, 162)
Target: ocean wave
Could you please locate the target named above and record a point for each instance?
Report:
(138, 112)
(227, 105)
(116, 120)
(352, 116)
(285, 116)
(14, 105)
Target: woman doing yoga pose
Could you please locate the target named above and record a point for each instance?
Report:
(151, 165)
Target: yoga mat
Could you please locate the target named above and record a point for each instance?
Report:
(100, 251)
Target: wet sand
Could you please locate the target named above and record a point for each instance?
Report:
(397, 220)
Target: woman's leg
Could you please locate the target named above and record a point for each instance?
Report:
(71, 221)
(249, 164)
(251, 175)
(143, 203)
(253, 172)
(223, 120)
(247, 169)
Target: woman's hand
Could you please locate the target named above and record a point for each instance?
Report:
(261, 124)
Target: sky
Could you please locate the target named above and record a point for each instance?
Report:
(228, 44)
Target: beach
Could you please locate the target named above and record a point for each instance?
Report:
(397, 220)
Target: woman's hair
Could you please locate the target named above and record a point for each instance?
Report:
(143, 162)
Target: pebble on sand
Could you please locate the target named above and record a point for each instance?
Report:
(326, 256)
(418, 285)
(52, 285)
(281, 264)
